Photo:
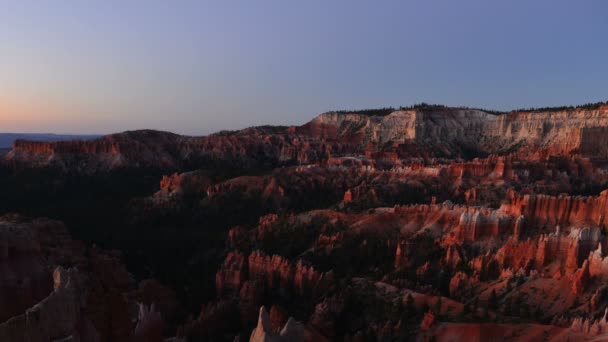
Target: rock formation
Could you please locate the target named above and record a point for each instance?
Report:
(85, 302)
(423, 223)
(263, 332)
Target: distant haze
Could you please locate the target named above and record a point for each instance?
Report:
(7, 139)
(195, 67)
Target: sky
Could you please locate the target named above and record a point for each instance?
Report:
(196, 67)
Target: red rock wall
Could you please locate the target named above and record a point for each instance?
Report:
(563, 209)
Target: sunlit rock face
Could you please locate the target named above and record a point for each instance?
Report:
(561, 131)
(292, 331)
(450, 129)
(562, 209)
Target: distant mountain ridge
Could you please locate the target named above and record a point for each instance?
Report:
(7, 139)
(426, 131)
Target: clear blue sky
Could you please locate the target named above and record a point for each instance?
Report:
(196, 67)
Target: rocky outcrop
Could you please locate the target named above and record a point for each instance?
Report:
(562, 210)
(60, 315)
(87, 300)
(451, 130)
(292, 331)
(436, 126)
(190, 183)
(29, 249)
(561, 131)
(590, 326)
(149, 324)
(461, 285)
(428, 321)
(569, 250)
(476, 225)
(277, 273)
(580, 279)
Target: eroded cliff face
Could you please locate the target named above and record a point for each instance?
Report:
(445, 131)
(562, 209)
(398, 127)
(560, 131)
(453, 131)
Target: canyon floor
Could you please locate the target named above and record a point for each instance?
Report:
(425, 223)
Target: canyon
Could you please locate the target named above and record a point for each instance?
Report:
(425, 223)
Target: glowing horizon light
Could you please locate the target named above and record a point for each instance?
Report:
(196, 67)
